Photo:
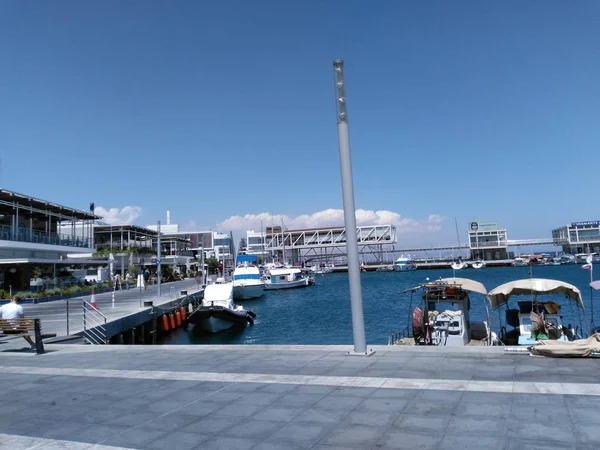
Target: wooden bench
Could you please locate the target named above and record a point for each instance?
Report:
(23, 327)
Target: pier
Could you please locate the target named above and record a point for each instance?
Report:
(127, 321)
(297, 397)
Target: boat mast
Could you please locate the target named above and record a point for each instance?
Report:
(282, 243)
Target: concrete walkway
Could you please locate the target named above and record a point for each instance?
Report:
(297, 397)
(53, 315)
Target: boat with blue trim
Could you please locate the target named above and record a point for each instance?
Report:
(404, 264)
(247, 281)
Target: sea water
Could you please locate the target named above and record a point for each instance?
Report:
(321, 314)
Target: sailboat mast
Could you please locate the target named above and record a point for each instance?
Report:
(282, 242)
(457, 234)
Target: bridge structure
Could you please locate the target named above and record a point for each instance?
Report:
(509, 243)
(376, 244)
(328, 244)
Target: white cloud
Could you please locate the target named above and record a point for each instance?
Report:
(435, 218)
(327, 218)
(115, 216)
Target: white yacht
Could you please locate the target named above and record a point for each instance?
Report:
(479, 264)
(247, 282)
(404, 264)
(519, 262)
(218, 312)
(322, 268)
(286, 278)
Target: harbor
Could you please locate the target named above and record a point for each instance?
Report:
(194, 253)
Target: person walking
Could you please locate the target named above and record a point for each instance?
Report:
(127, 280)
(12, 311)
(146, 278)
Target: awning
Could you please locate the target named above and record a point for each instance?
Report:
(462, 283)
(533, 286)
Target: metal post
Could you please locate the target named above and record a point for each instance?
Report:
(358, 319)
(158, 261)
(67, 317)
(141, 275)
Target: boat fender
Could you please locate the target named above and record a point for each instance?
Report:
(178, 318)
(250, 320)
(165, 323)
(172, 321)
(251, 314)
(183, 315)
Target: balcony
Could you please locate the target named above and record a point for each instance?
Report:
(8, 233)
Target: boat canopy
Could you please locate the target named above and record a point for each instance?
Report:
(533, 286)
(284, 271)
(462, 283)
(218, 292)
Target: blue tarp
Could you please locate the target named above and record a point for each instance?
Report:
(249, 258)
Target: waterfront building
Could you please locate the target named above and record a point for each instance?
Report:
(578, 237)
(487, 241)
(36, 236)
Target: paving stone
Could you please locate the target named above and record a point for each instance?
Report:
(521, 444)
(382, 405)
(557, 432)
(453, 442)
(178, 441)
(281, 414)
(436, 424)
(256, 429)
(477, 426)
(401, 440)
(237, 410)
(297, 400)
(301, 433)
(355, 436)
(229, 443)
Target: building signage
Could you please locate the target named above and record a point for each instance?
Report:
(483, 226)
(593, 223)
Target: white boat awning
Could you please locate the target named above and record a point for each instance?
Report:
(463, 283)
(533, 286)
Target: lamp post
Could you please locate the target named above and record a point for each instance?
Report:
(158, 261)
(358, 318)
(141, 278)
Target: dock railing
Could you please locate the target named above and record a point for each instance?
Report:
(395, 338)
(94, 324)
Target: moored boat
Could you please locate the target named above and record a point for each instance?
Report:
(218, 312)
(534, 319)
(247, 281)
(441, 315)
(404, 264)
(286, 278)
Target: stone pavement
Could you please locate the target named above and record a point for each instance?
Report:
(296, 397)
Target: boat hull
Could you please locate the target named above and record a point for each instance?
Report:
(247, 292)
(288, 285)
(405, 267)
(218, 318)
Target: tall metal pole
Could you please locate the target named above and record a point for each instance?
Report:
(358, 318)
(158, 261)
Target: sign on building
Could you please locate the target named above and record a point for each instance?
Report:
(486, 225)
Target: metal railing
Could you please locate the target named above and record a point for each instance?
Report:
(8, 233)
(94, 324)
(394, 338)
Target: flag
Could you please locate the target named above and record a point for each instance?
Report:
(587, 267)
(588, 260)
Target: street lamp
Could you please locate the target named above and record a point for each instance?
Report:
(358, 318)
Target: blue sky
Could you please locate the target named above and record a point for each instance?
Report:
(473, 110)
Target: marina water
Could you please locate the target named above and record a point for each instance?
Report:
(321, 315)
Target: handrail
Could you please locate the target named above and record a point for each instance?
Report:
(94, 324)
